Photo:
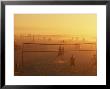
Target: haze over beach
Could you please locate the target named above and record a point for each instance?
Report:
(48, 24)
(66, 41)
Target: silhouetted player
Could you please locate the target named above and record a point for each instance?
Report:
(59, 51)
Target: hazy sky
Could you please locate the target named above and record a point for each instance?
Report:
(74, 24)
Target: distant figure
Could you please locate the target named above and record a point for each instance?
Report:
(72, 60)
(60, 54)
(59, 51)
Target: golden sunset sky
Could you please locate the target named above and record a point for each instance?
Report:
(51, 24)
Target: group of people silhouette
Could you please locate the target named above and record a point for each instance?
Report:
(61, 51)
(61, 54)
(72, 58)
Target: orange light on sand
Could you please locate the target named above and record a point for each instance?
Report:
(66, 41)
